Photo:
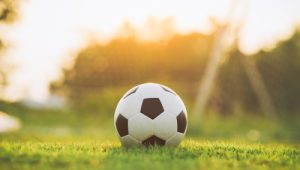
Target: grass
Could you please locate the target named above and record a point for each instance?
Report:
(191, 154)
(53, 139)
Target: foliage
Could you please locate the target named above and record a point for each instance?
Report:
(125, 62)
(180, 62)
(8, 14)
(8, 10)
(128, 61)
(280, 70)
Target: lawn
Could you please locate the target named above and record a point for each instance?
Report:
(191, 154)
(60, 140)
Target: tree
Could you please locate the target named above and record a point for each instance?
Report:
(102, 72)
(279, 69)
(125, 62)
(7, 15)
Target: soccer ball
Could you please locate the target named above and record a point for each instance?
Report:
(150, 114)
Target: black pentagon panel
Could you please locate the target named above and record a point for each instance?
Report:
(122, 125)
(131, 92)
(152, 107)
(181, 122)
(167, 90)
(154, 140)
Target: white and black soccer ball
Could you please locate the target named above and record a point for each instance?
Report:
(150, 114)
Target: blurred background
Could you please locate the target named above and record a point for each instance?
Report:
(64, 64)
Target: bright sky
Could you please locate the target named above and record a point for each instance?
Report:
(49, 31)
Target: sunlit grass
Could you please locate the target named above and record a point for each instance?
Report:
(191, 154)
(52, 139)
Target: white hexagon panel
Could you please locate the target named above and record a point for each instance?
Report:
(165, 126)
(140, 127)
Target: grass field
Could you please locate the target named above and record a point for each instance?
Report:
(60, 140)
(191, 154)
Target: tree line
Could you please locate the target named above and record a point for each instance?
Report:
(179, 62)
